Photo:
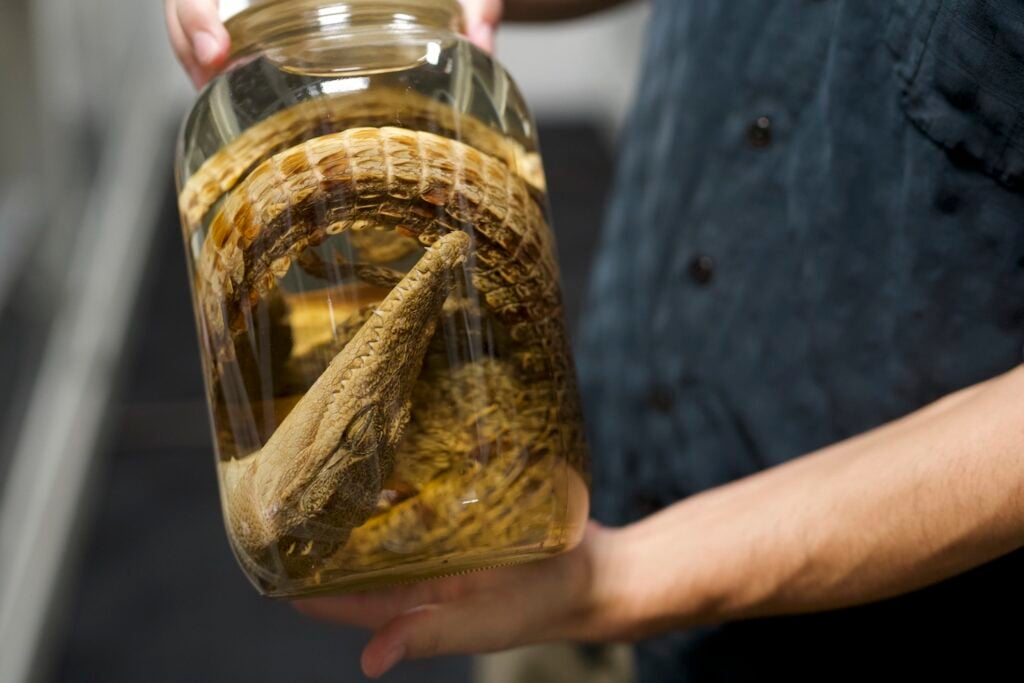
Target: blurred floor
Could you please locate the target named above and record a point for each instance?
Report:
(159, 596)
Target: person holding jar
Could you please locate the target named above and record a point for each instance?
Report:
(800, 360)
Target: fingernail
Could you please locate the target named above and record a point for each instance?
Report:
(391, 657)
(206, 47)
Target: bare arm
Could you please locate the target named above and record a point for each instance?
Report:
(913, 502)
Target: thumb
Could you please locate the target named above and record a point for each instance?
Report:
(204, 31)
(482, 17)
(475, 625)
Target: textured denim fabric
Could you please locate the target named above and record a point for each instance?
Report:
(818, 227)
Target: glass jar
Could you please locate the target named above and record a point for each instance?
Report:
(377, 299)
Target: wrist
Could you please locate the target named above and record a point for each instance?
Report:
(597, 608)
(679, 568)
(639, 580)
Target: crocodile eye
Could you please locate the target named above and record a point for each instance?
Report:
(361, 435)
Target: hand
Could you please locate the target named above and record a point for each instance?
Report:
(569, 597)
(482, 17)
(198, 37)
(202, 43)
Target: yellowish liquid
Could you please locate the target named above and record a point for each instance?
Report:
(474, 483)
(483, 475)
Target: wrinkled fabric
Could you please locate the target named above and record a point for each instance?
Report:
(817, 227)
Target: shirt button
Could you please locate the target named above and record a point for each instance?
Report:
(759, 134)
(702, 268)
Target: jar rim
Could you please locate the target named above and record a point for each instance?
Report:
(230, 8)
(263, 22)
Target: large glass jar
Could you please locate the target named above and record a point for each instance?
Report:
(375, 285)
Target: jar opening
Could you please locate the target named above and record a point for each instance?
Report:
(264, 23)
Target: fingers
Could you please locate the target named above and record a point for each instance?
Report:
(505, 608)
(482, 17)
(201, 25)
(479, 624)
(202, 43)
(478, 612)
(374, 609)
(486, 611)
(199, 39)
(182, 48)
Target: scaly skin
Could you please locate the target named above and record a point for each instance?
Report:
(320, 474)
(419, 183)
(376, 107)
(455, 450)
(433, 190)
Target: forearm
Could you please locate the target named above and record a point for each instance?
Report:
(908, 504)
(546, 10)
(898, 508)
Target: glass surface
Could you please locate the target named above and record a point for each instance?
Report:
(376, 291)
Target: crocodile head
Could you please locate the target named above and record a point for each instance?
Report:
(321, 473)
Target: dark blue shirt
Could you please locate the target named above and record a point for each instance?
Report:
(818, 227)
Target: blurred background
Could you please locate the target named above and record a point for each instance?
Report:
(114, 565)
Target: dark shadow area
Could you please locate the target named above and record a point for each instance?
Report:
(158, 595)
(21, 347)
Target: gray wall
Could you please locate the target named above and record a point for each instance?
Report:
(583, 69)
